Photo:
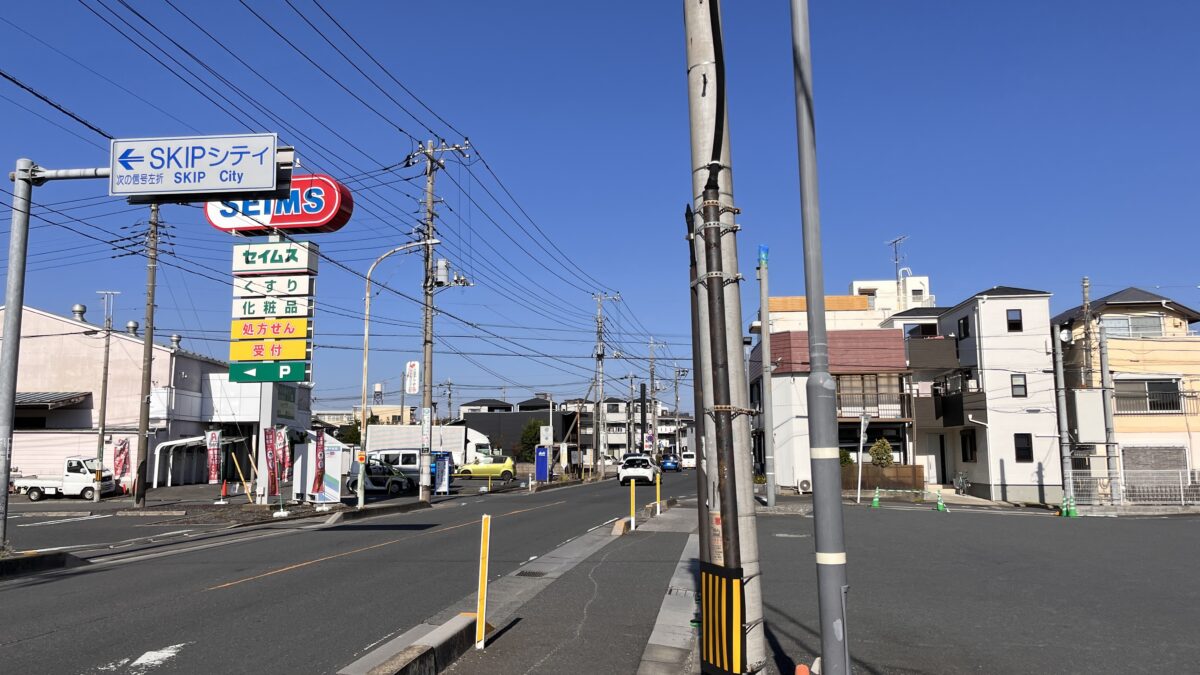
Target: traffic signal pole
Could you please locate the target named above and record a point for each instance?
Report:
(822, 406)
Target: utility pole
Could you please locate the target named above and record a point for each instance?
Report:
(600, 419)
(1087, 333)
(102, 419)
(139, 461)
(768, 364)
(631, 436)
(449, 399)
(725, 384)
(679, 372)
(429, 152)
(895, 244)
(1060, 396)
(701, 394)
(14, 305)
(828, 528)
(1110, 435)
(653, 402)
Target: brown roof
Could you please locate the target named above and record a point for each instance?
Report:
(874, 350)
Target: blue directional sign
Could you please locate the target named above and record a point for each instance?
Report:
(192, 164)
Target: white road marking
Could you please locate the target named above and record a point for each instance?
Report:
(787, 535)
(155, 658)
(65, 520)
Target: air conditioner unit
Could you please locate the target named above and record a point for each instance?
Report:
(972, 385)
(805, 486)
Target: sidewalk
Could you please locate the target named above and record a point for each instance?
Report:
(596, 617)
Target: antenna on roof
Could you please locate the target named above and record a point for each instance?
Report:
(896, 258)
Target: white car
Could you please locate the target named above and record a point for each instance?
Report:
(637, 468)
(688, 460)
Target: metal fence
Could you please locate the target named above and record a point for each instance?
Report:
(1139, 487)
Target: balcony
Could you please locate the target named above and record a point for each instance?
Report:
(1155, 403)
(876, 405)
(931, 353)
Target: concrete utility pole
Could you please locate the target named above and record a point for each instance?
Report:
(822, 406)
(768, 364)
(1110, 435)
(103, 413)
(712, 186)
(1087, 334)
(679, 372)
(1060, 396)
(429, 152)
(653, 402)
(139, 460)
(700, 402)
(900, 295)
(630, 434)
(600, 419)
(642, 435)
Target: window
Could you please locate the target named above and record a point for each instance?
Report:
(967, 439)
(1014, 321)
(918, 295)
(613, 407)
(1019, 390)
(870, 293)
(1023, 445)
(964, 327)
(1147, 396)
(1133, 326)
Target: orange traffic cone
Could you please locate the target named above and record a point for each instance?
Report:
(224, 493)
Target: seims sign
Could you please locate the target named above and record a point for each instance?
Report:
(316, 204)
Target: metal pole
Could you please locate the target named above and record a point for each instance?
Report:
(1060, 395)
(700, 400)
(140, 459)
(822, 408)
(862, 440)
(600, 419)
(653, 403)
(103, 413)
(427, 341)
(642, 435)
(14, 304)
(768, 365)
(1110, 434)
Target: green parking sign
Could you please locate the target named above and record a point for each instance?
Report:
(278, 371)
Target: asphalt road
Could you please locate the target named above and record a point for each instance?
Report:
(290, 597)
(992, 592)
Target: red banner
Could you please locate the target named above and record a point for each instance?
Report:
(120, 459)
(214, 456)
(285, 455)
(269, 451)
(318, 486)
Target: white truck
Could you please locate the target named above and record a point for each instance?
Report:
(463, 444)
(77, 480)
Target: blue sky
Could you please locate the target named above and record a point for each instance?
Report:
(1022, 143)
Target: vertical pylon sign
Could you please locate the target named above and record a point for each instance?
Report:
(722, 607)
(485, 535)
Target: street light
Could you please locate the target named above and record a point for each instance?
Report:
(362, 436)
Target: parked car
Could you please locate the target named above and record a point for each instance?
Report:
(637, 468)
(409, 461)
(77, 480)
(381, 477)
(671, 463)
(688, 460)
(496, 466)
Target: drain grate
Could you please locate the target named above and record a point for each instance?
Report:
(530, 573)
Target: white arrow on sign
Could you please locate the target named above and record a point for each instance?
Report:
(252, 371)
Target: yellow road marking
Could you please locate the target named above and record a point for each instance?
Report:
(343, 554)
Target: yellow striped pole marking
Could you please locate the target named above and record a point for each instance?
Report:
(632, 505)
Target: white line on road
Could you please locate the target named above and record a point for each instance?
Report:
(65, 520)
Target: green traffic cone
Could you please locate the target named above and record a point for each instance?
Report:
(1062, 509)
(1071, 512)
(941, 505)
(875, 501)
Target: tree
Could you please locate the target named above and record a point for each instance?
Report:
(531, 435)
(844, 456)
(881, 453)
(351, 434)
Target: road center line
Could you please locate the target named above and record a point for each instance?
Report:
(372, 547)
(65, 520)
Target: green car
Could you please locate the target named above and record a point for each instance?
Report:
(495, 466)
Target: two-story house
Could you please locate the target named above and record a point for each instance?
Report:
(1154, 359)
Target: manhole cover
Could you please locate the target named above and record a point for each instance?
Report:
(530, 573)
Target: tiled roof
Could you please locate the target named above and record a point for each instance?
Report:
(1129, 296)
(50, 399)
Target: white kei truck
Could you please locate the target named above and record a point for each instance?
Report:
(77, 480)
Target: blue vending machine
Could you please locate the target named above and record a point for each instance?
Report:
(541, 464)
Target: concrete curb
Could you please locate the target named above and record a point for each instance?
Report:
(424, 650)
(554, 486)
(150, 513)
(620, 527)
(372, 511)
(38, 562)
(669, 649)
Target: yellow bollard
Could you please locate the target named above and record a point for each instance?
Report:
(632, 505)
(658, 493)
(481, 603)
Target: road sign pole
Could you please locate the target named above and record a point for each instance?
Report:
(14, 302)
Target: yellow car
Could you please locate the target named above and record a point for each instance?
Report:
(495, 466)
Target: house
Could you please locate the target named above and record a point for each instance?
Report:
(1154, 358)
(989, 415)
(59, 380)
(484, 405)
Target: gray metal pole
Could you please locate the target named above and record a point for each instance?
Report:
(822, 406)
(1110, 434)
(427, 340)
(642, 434)
(768, 364)
(653, 403)
(1060, 395)
(699, 340)
(14, 303)
(101, 425)
(140, 458)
